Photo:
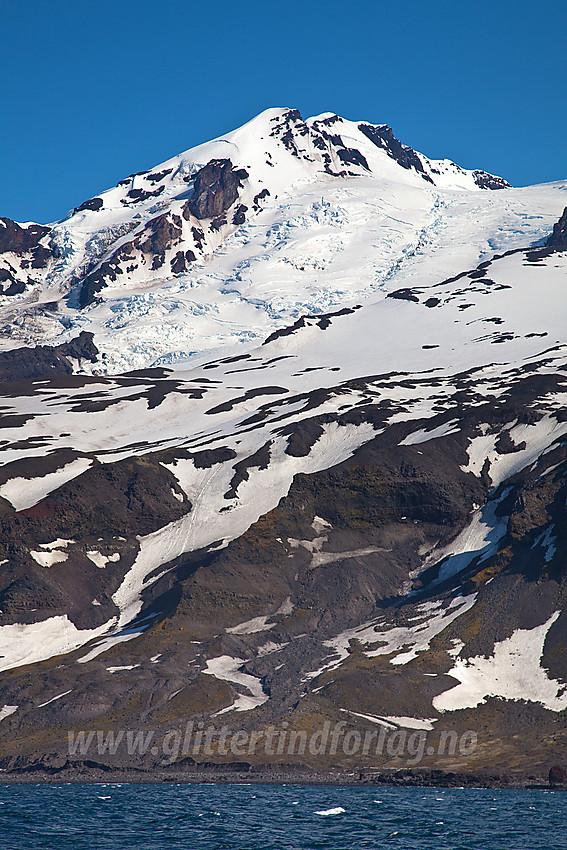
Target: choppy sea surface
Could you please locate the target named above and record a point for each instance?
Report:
(286, 817)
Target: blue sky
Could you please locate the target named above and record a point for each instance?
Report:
(92, 91)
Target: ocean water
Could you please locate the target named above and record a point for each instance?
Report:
(286, 817)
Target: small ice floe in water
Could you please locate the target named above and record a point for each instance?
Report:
(326, 812)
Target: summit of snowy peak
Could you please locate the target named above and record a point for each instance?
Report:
(272, 113)
(324, 117)
(278, 148)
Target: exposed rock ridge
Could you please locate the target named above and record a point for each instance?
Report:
(383, 137)
(24, 364)
(216, 188)
(23, 245)
(558, 238)
(484, 180)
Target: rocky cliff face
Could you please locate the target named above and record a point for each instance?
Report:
(215, 189)
(558, 239)
(353, 523)
(44, 361)
(171, 241)
(24, 252)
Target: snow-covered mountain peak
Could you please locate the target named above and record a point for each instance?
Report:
(221, 245)
(279, 137)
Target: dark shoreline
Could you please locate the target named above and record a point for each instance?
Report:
(226, 775)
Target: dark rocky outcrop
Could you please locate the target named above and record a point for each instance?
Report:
(325, 140)
(484, 180)
(260, 197)
(239, 216)
(558, 239)
(128, 180)
(15, 286)
(128, 498)
(160, 235)
(24, 243)
(286, 127)
(81, 347)
(98, 279)
(19, 240)
(260, 460)
(406, 295)
(181, 261)
(136, 196)
(93, 204)
(159, 175)
(322, 320)
(23, 364)
(209, 457)
(557, 776)
(216, 188)
(217, 223)
(353, 156)
(383, 137)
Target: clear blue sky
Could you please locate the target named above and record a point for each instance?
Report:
(92, 91)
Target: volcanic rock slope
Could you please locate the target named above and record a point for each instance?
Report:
(284, 439)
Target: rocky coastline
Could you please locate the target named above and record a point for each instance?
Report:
(92, 772)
